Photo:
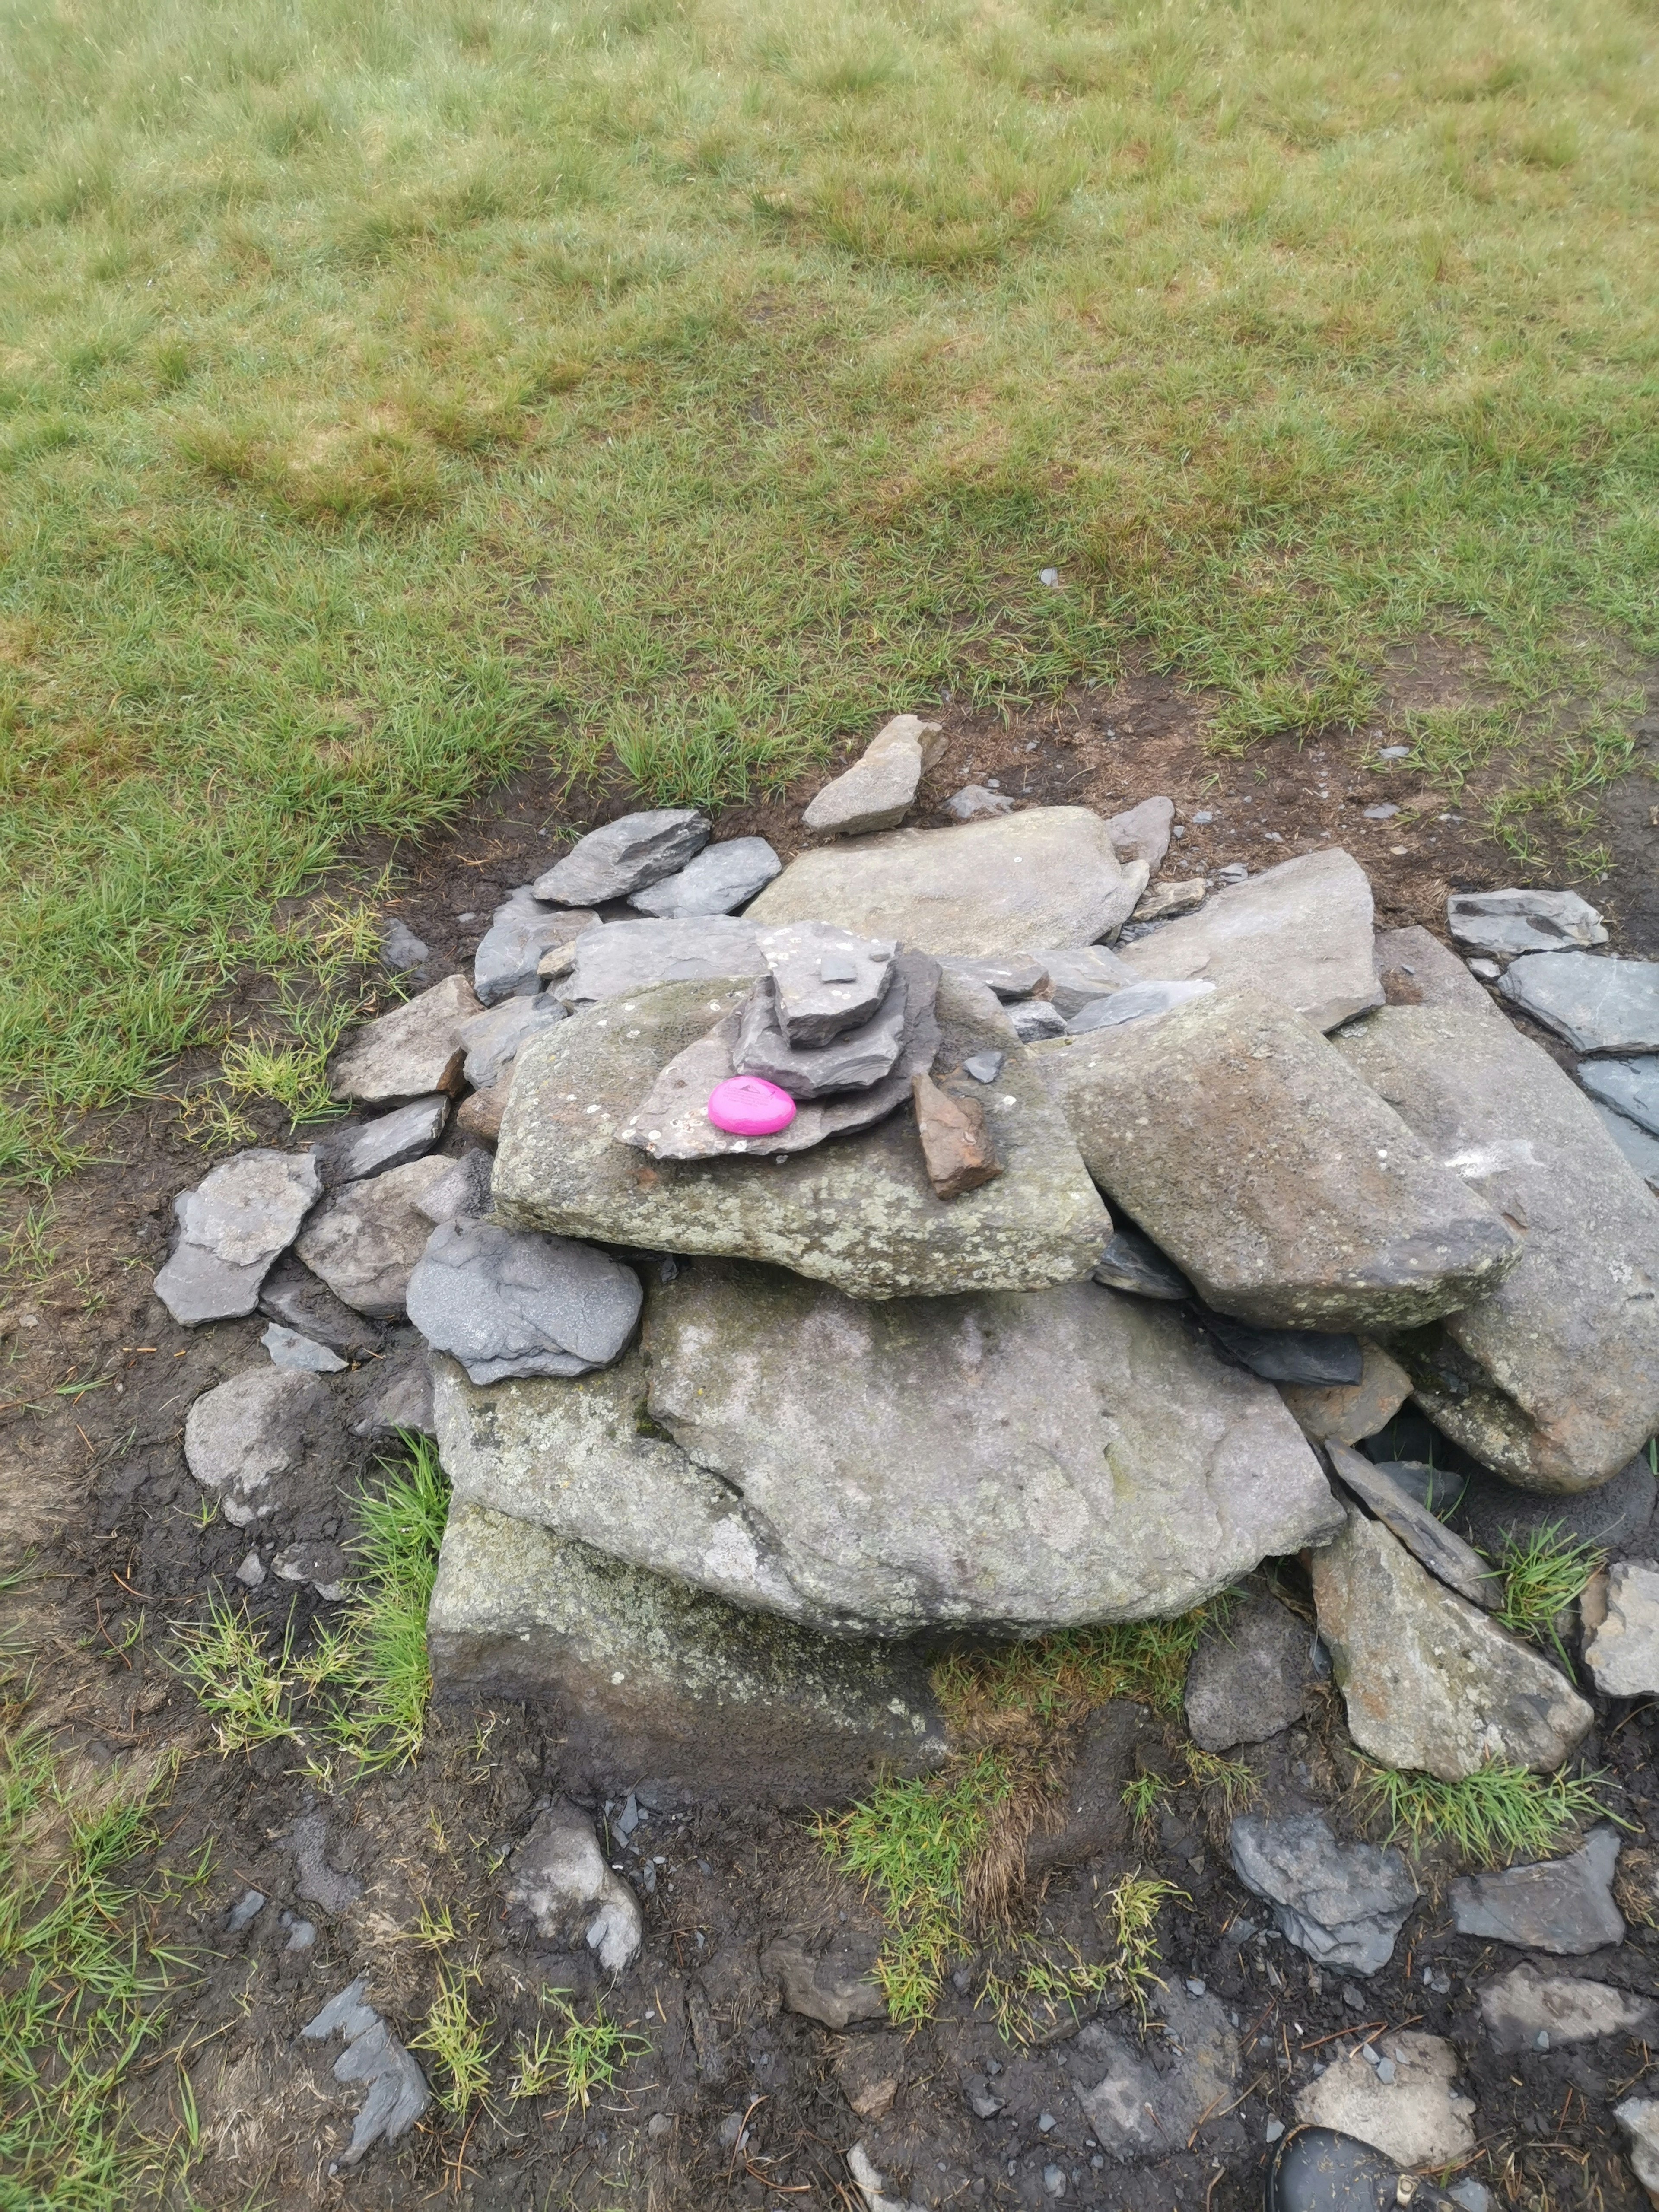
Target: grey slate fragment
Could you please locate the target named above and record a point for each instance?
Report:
(400, 1401)
(875, 792)
(521, 932)
(348, 2013)
(1034, 1019)
(559, 1881)
(1079, 974)
(620, 958)
(1142, 833)
(974, 803)
(408, 1053)
(1135, 2108)
(1136, 1002)
(983, 1066)
(1562, 1905)
(247, 1909)
(232, 1226)
(1133, 1263)
(506, 1302)
(721, 878)
(244, 1434)
(1520, 2005)
(1416, 969)
(300, 1301)
(1310, 1356)
(366, 1237)
(401, 951)
(853, 1061)
(1598, 1003)
(287, 1348)
(1641, 1150)
(818, 1000)
(398, 2093)
(1447, 1557)
(1014, 976)
(368, 1148)
(1250, 1675)
(1631, 1087)
(1343, 1904)
(492, 1039)
(623, 857)
(1515, 921)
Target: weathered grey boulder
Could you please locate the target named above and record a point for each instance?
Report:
(1428, 1681)
(506, 1303)
(825, 981)
(365, 1239)
(1137, 2108)
(1343, 1413)
(1047, 876)
(1427, 1537)
(391, 1140)
(411, 1052)
(859, 1212)
(1019, 1462)
(876, 792)
(1525, 2010)
(558, 1879)
(1300, 933)
(1413, 2114)
(232, 1227)
(1343, 1904)
(1250, 1676)
(616, 959)
(1242, 1144)
(1142, 833)
(1623, 1650)
(1034, 1020)
(493, 1039)
(293, 1296)
(1562, 1905)
(1631, 1087)
(521, 932)
(722, 877)
(644, 1675)
(623, 857)
(242, 1437)
(1551, 1377)
(1509, 922)
(1598, 1003)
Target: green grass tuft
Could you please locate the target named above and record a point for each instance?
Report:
(1542, 1577)
(1496, 1815)
(1053, 1677)
(576, 2060)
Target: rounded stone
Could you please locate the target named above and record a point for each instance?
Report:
(749, 1106)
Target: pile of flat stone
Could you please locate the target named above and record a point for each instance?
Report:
(1114, 1218)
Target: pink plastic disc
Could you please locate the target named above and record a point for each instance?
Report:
(749, 1106)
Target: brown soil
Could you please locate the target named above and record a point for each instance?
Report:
(95, 1383)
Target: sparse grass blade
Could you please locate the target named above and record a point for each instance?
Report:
(1496, 1815)
(576, 2059)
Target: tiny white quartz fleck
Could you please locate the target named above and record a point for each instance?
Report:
(618, 1676)
(592, 1109)
(1008, 1099)
(632, 1033)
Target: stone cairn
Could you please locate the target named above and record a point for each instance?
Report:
(1114, 1218)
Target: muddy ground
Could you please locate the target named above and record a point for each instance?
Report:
(95, 1383)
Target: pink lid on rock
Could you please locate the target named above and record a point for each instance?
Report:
(749, 1106)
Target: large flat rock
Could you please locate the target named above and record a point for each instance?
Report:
(1598, 1003)
(1551, 1377)
(1271, 1175)
(857, 1211)
(1007, 1462)
(1049, 876)
(1300, 933)
(644, 1676)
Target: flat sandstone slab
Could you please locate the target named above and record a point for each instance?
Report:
(645, 1676)
(857, 1211)
(1251, 1154)
(1551, 1377)
(996, 1461)
(1049, 876)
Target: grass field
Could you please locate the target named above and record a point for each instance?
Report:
(388, 394)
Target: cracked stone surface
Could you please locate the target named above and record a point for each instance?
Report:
(232, 1228)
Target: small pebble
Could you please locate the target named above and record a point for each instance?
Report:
(983, 1066)
(1195, 1987)
(659, 2125)
(302, 1935)
(252, 1573)
(1542, 2041)
(1352, 1997)
(1053, 2181)
(250, 1903)
(1045, 2121)
(1049, 576)
(1487, 970)
(1394, 752)
(1202, 818)
(1179, 831)
(1273, 2131)
(1386, 812)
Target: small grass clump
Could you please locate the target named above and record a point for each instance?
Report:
(1542, 1575)
(456, 2041)
(1054, 1678)
(1496, 1815)
(576, 2059)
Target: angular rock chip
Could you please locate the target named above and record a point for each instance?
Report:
(1429, 1681)
(1639, 1149)
(365, 1239)
(479, 1117)
(955, 1143)
(1300, 933)
(400, 1398)
(827, 980)
(1132, 1262)
(1136, 1002)
(974, 802)
(646, 1677)
(1289, 1355)
(1639, 2118)
(292, 1295)
(1623, 1652)
(244, 1434)
(1447, 1557)
(1243, 1145)
(492, 1039)
(1415, 969)
(1010, 977)
(1344, 1412)
(401, 951)
(1508, 922)
(618, 958)
(835, 1987)
(287, 1348)
(722, 877)
(854, 1061)
(858, 1212)
(1250, 1676)
(411, 1052)
(1551, 1377)
(521, 934)
(984, 1066)
(1017, 1461)
(391, 1140)
(671, 1122)
(1138, 2109)
(1631, 1087)
(1047, 876)
(398, 2093)
(623, 857)
(1414, 2116)
(1598, 1003)
(232, 1226)
(877, 792)
(559, 1881)
(1079, 974)
(1164, 902)
(1523, 2005)
(1034, 1020)
(504, 1303)
(1561, 1906)
(1343, 1904)
(1143, 832)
